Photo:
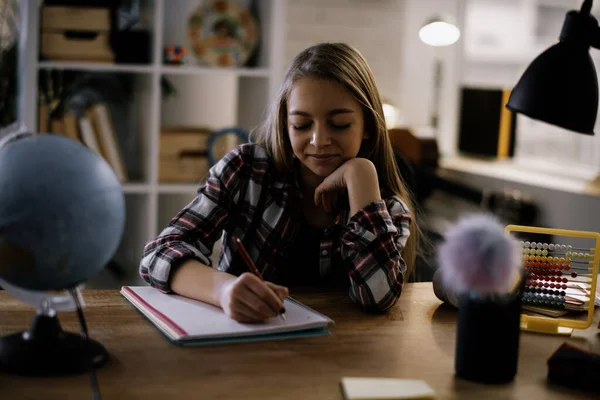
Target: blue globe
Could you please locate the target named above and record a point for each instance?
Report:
(62, 212)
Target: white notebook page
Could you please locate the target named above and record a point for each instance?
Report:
(201, 320)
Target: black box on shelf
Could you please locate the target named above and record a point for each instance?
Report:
(486, 126)
(132, 47)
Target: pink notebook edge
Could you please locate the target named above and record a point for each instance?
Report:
(150, 309)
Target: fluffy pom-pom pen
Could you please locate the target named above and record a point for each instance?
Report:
(477, 256)
(480, 268)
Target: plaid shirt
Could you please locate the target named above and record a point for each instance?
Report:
(244, 185)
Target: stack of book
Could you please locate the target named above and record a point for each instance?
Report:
(94, 129)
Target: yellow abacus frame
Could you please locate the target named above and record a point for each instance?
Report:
(561, 326)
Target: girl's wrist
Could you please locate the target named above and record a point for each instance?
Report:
(361, 174)
(362, 183)
(222, 285)
(198, 281)
(219, 292)
(359, 169)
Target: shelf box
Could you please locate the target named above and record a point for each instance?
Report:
(63, 46)
(76, 33)
(183, 154)
(100, 34)
(76, 18)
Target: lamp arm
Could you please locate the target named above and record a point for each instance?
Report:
(586, 7)
(581, 27)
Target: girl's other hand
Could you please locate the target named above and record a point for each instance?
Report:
(358, 169)
(250, 299)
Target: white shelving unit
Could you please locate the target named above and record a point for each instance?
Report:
(503, 36)
(209, 97)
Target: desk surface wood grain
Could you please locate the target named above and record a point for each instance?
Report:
(415, 339)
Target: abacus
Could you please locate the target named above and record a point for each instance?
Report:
(559, 292)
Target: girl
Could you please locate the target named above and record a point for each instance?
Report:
(316, 200)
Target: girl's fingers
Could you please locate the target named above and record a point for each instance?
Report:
(254, 308)
(320, 191)
(242, 314)
(244, 297)
(239, 307)
(317, 196)
(334, 198)
(329, 199)
(265, 296)
(280, 291)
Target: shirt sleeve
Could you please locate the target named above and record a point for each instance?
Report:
(194, 230)
(371, 245)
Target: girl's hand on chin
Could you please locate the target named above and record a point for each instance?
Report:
(352, 171)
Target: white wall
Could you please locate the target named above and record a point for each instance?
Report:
(374, 27)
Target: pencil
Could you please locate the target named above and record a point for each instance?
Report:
(248, 261)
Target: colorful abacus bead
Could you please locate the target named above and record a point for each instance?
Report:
(546, 301)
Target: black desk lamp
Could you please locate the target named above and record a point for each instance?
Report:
(560, 86)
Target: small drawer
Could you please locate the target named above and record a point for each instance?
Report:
(174, 141)
(183, 169)
(183, 154)
(76, 18)
(80, 47)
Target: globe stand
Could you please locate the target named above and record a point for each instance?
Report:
(46, 350)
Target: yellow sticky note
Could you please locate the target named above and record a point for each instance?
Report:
(386, 389)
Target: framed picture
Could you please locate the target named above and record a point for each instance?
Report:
(223, 33)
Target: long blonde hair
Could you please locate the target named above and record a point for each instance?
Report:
(344, 64)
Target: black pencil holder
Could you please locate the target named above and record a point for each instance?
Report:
(487, 338)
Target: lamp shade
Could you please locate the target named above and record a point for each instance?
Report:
(439, 31)
(560, 86)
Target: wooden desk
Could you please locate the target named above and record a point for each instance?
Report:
(413, 340)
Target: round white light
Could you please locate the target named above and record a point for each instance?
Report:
(390, 114)
(439, 33)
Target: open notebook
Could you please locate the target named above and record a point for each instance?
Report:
(190, 322)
